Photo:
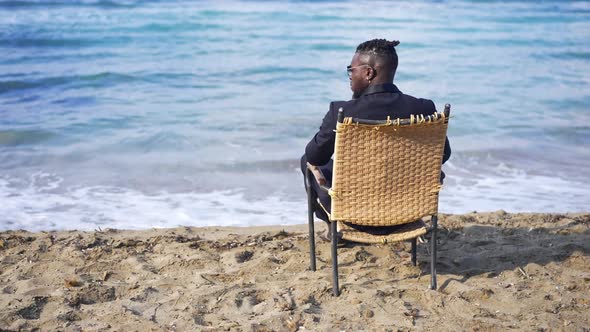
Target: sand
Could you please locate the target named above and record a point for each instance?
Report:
(496, 271)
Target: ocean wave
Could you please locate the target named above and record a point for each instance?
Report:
(331, 47)
(175, 27)
(284, 72)
(80, 3)
(161, 140)
(103, 79)
(17, 41)
(571, 55)
(44, 202)
(55, 58)
(24, 137)
(511, 189)
(92, 80)
(35, 205)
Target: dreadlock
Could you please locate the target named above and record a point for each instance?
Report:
(380, 49)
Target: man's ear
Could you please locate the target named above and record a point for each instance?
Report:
(371, 73)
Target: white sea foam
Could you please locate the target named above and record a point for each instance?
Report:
(35, 207)
(42, 203)
(511, 189)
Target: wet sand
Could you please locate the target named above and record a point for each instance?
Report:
(496, 271)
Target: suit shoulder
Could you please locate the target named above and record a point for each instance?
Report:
(426, 106)
(335, 105)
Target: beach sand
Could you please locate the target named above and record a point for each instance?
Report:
(496, 271)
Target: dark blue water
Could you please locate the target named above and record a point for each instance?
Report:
(137, 114)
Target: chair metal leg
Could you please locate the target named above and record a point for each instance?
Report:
(433, 239)
(334, 258)
(312, 259)
(414, 251)
(310, 210)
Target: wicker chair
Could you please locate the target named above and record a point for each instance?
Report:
(386, 173)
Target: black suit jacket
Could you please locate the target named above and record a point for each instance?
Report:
(377, 102)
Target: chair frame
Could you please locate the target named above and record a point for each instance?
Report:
(313, 206)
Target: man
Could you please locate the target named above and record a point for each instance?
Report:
(375, 97)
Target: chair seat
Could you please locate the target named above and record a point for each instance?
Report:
(378, 234)
(385, 234)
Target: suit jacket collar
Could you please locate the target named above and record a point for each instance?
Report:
(380, 88)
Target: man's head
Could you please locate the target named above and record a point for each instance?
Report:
(374, 62)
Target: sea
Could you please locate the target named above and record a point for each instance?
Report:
(146, 114)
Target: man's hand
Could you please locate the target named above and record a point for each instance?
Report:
(317, 173)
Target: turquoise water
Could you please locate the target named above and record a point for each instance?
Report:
(137, 114)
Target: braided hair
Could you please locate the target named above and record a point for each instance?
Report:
(380, 49)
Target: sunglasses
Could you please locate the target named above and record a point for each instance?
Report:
(349, 69)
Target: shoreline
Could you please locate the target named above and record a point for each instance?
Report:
(495, 271)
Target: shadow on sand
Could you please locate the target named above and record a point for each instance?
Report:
(470, 245)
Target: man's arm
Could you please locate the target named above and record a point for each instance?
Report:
(447, 151)
(321, 147)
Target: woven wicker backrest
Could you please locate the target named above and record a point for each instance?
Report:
(387, 174)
